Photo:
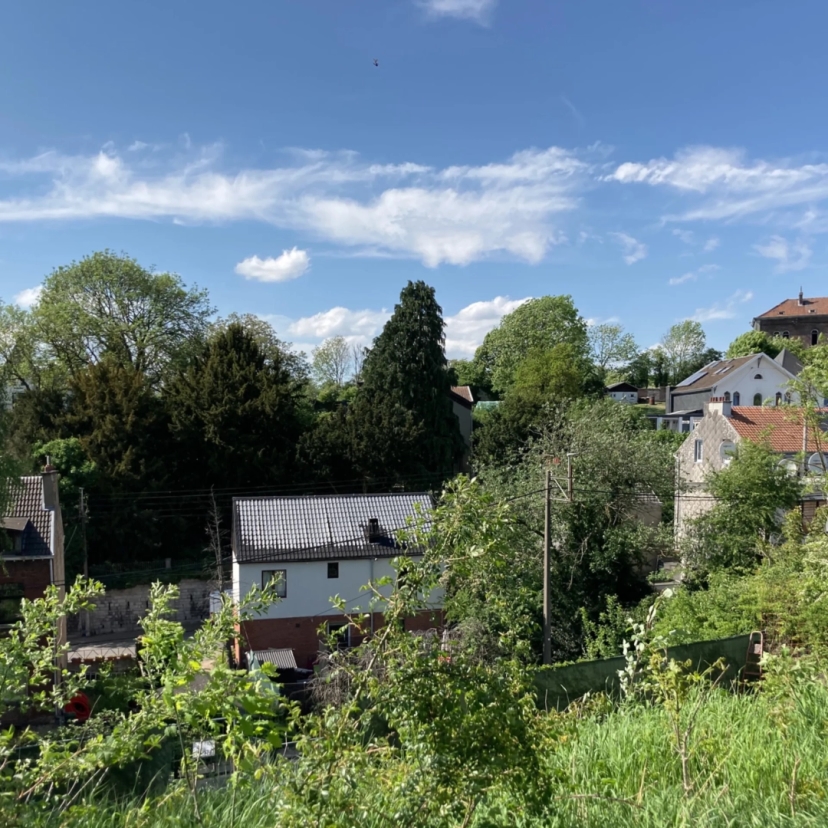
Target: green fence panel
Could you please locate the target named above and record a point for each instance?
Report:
(558, 686)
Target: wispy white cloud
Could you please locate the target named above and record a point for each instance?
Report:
(290, 265)
(633, 250)
(576, 113)
(711, 244)
(727, 184)
(477, 10)
(796, 256)
(28, 297)
(723, 310)
(466, 328)
(693, 275)
(455, 215)
(686, 236)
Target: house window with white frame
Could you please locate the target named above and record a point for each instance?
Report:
(280, 578)
(698, 451)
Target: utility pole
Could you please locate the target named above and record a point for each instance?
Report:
(547, 543)
(82, 509)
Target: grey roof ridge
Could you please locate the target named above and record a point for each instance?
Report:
(339, 496)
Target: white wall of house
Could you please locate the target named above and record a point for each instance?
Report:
(309, 589)
(624, 396)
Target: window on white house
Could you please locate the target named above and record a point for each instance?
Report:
(737, 398)
(757, 399)
(778, 398)
(280, 577)
(698, 450)
(727, 396)
(333, 569)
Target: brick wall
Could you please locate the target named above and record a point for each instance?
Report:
(118, 612)
(34, 575)
(301, 634)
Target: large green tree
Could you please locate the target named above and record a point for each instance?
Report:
(108, 305)
(235, 413)
(683, 344)
(749, 494)
(537, 325)
(402, 421)
(759, 342)
(610, 345)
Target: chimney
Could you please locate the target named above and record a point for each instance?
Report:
(801, 300)
(50, 486)
(718, 405)
(373, 530)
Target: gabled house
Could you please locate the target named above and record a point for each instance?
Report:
(800, 318)
(462, 403)
(315, 548)
(710, 445)
(754, 380)
(622, 392)
(32, 553)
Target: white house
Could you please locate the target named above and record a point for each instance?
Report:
(316, 548)
(748, 381)
(623, 392)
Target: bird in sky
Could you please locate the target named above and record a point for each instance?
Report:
(376, 62)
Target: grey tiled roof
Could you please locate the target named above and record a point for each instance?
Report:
(271, 529)
(26, 501)
(282, 659)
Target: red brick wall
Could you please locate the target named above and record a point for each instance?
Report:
(301, 634)
(34, 575)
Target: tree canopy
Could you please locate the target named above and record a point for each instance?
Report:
(683, 345)
(537, 325)
(108, 305)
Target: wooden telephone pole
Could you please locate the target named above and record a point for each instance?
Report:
(567, 496)
(82, 510)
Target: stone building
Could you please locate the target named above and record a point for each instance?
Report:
(800, 318)
(710, 445)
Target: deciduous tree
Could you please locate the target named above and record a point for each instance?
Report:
(108, 305)
(537, 325)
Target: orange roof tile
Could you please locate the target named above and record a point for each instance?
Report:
(782, 426)
(791, 307)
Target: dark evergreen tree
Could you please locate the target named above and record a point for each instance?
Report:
(402, 423)
(122, 428)
(235, 414)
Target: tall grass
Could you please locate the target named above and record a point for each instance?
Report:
(757, 760)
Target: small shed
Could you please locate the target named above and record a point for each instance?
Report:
(623, 392)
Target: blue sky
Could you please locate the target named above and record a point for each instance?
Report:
(656, 159)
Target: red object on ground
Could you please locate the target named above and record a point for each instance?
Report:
(79, 707)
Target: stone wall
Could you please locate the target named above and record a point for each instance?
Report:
(118, 612)
(693, 500)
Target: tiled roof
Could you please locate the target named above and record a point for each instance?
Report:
(817, 306)
(271, 529)
(781, 426)
(463, 391)
(712, 373)
(26, 501)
